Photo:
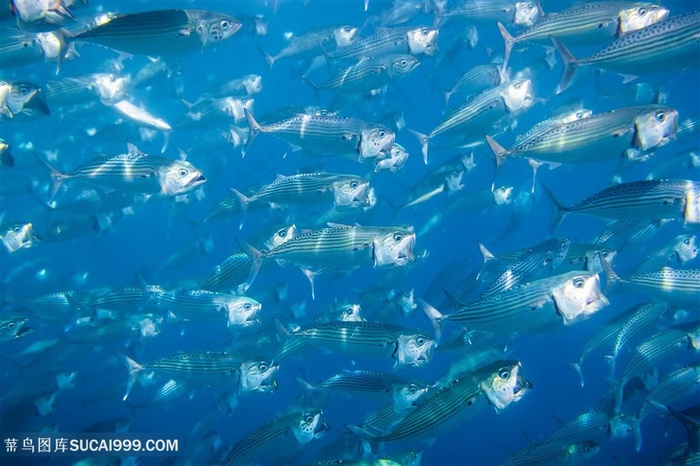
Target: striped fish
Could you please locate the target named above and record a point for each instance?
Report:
(668, 45)
(21, 48)
(587, 23)
(681, 249)
(339, 248)
(21, 101)
(321, 132)
(586, 426)
(554, 453)
(342, 189)
(408, 347)
(568, 297)
(283, 436)
(105, 87)
(499, 384)
(616, 333)
(230, 274)
(210, 112)
(476, 80)
(513, 12)
(136, 172)
(646, 199)
(592, 138)
(480, 114)
(160, 32)
(676, 287)
(316, 41)
(402, 40)
(20, 235)
(369, 74)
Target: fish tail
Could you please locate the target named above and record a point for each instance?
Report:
(487, 255)
(577, 367)
(314, 86)
(499, 153)
(610, 276)
(617, 387)
(570, 65)
(56, 176)
(634, 423)
(436, 319)
(255, 128)
(145, 293)
(611, 362)
(257, 258)
(244, 202)
(306, 386)
(133, 367)
(311, 275)
(561, 210)
(423, 139)
(268, 58)
(64, 46)
(508, 42)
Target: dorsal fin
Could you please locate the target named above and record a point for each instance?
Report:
(134, 151)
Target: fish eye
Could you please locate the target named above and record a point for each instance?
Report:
(23, 90)
(247, 306)
(348, 311)
(354, 184)
(420, 341)
(424, 31)
(263, 367)
(404, 62)
(382, 134)
(282, 233)
(347, 29)
(308, 417)
(183, 172)
(16, 229)
(412, 389)
(604, 254)
(642, 11)
(504, 373)
(686, 241)
(578, 282)
(224, 24)
(398, 237)
(660, 116)
(11, 325)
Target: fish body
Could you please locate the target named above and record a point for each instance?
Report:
(327, 39)
(106, 87)
(161, 32)
(679, 287)
(370, 73)
(21, 101)
(385, 41)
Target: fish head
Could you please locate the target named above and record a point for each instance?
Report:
(505, 385)
(401, 65)
(179, 177)
(18, 236)
(407, 395)
(351, 191)
(578, 296)
(350, 313)
(111, 88)
(582, 451)
(12, 328)
(258, 376)
(574, 115)
(557, 253)
(686, 248)
(396, 160)
(694, 339)
(281, 236)
(422, 40)
(149, 327)
(414, 350)
(526, 14)
(407, 302)
(655, 127)
(51, 44)
(691, 211)
(594, 259)
(27, 99)
(345, 35)
(252, 83)
(518, 95)
(375, 140)
(503, 195)
(620, 427)
(214, 27)
(394, 247)
(636, 17)
(242, 311)
(310, 426)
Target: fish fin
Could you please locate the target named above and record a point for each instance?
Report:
(257, 258)
(488, 257)
(561, 211)
(577, 367)
(268, 58)
(56, 176)
(306, 386)
(5, 110)
(64, 46)
(424, 141)
(626, 78)
(570, 65)
(453, 299)
(618, 387)
(499, 152)
(187, 104)
(611, 363)
(535, 166)
(508, 42)
(359, 431)
(254, 127)
(314, 86)
(610, 276)
(436, 319)
(244, 201)
(634, 423)
(133, 367)
(311, 275)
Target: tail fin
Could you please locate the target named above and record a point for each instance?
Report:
(244, 202)
(306, 386)
(561, 210)
(499, 152)
(256, 256)
(56, 176)
(254, 127)
(424, 140)
(435, 317)
(610, 276)
(133, 367)
(570, 65)
(268, 58)
(488, 257)
(508, 42)
(577, 367)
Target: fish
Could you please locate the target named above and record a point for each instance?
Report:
(515, 13)
(587, 24)
(327, 39)
(680, 250)
(555, 453)
(476, 80)
(160, 32)
(568, 298)
(664, 46)
(677, 287)
(19, 235)
(21, 101)
(38, 14)
(108, 88)
(338, 248)
(643, 200)
(135, 172)
(13, 328)
(403, 40)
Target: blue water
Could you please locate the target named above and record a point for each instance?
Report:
(138, 243)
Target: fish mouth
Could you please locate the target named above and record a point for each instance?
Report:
(199, 179)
